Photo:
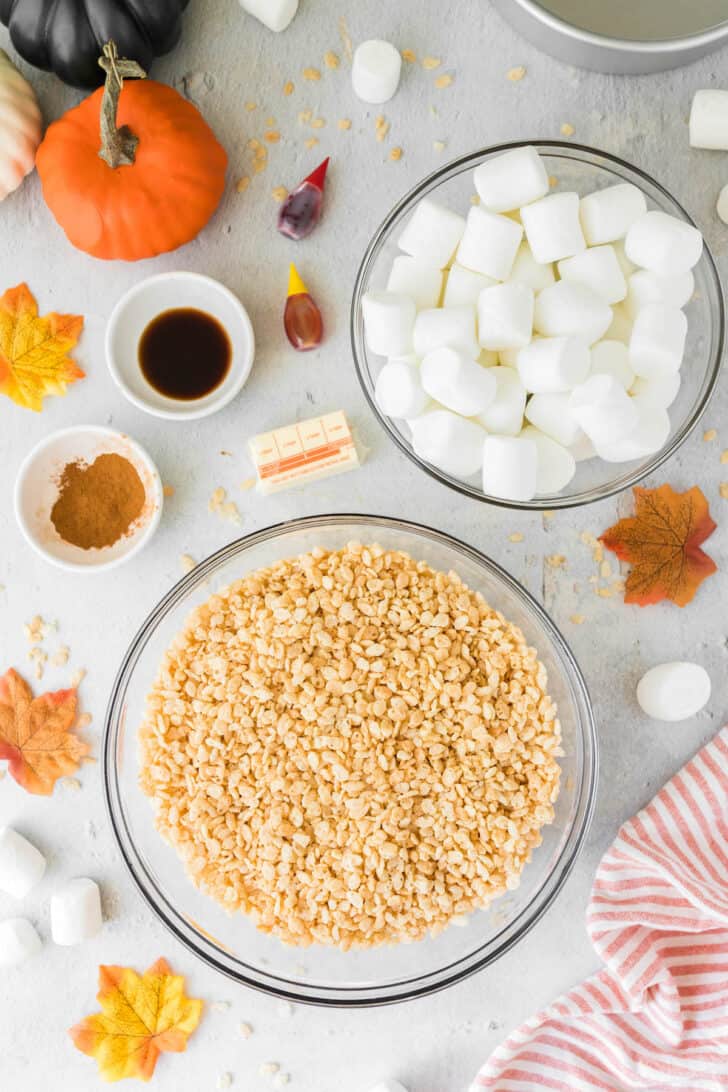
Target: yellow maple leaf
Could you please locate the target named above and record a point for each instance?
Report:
(34, 360)
(142, 1016)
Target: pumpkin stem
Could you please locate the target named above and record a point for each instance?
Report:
(118, 146)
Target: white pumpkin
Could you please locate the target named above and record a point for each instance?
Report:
(20, 127)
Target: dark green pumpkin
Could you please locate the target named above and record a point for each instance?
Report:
(67, 36)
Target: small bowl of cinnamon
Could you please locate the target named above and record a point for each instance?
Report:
(88, 498)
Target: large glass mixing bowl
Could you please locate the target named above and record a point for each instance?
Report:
(318, 974)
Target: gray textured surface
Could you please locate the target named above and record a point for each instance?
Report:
(434, 1045)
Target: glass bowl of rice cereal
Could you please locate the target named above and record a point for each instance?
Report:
(349, 760)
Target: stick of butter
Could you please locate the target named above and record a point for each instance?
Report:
(300, 453)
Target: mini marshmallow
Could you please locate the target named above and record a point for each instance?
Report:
(464, 286)
(21, 864)
(510, 467)
(76, 912)
(451, 326)
(658, 340)
(663, 243)
(389, 320)
(388, 1086)
(411, 277)
(610, 357)
(457, 381)
(398, 391)
(274, 14)
(449, 442)
(660, 390)
(566, 309)
(511, 180)
(504, 415)
(709, 120)
(721, 205)
(18, 942)
(552, 227)
(505, 316)
(674, 691)
(603, 409)
(556, 464)
(550, 365)
(432, 233)
(644, 287)
(489, 243)
(599, 270)
(375, 71)
(550, 413)
(608, 214)
(620, 328)
(526, 270)
(649, 434)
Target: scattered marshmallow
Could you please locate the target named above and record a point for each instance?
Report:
(464, 286)
(649, 434)
(550, 365)
(505, 316)
(510, 467)
(489, 243)
(663, 243)
(76, 912)
(611, 357)
(526, 270)
(504, 415)
(18, 942)
(709, 120)
(573, 310)
(437, 327)
(274, 14)
(674, 691)
(658, 340)
(412, 277)
(603, 409)
(457, 381)
(552, 227)
(550, 413)
(556, 464)
(645, 287)
(598, 269)
(660, 390)
(432, 233)
(510, 180)
(21, 864)
(721, 206)
(389, 320)
(449, 442)
(608, 214)
(399, 391)
(375, 70)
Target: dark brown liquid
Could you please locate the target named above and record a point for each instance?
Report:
(184, 353)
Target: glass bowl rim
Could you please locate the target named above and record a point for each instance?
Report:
(590, 496)
(361, 996)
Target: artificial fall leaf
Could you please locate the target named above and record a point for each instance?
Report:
(34, 349)
(662, 541)
(142, 1016)
(35, 736)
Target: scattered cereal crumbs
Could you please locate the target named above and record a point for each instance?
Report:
(444, 81)
(516, 74)
(248, 483)
(549, 513)
(318, 123)
(187, 562)
(83, 721)
(245, 1030)
(168, 490)
(567, 129)
(225, 1080)
(311, 74)
(381, 128)
(89, 760)
(311, 142)
(250, 106)
(219, 1006)
(217, 498)
(475, 199)
(35, 630)
(78, 676)
(281, 1080)
(577, 619)
(345, 38)
(438, 145)
(409, 56)
(288, 88)
(59, 658)
(396, 154)
(605, 570)
(431, 62)
(553, 181)
(242, 183)
(556, 561)
(268, 1069)
(723, 488)
(226, 453)
(272, 136)
(71, 783)
(604, 593)
(305, 116)
(331, 59)
(515, 537)
(38, 671)
(345, 123)
(710, 435)
(270, 121)
(280, 193)
(724, 456)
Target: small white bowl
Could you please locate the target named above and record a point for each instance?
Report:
(165, 292)
(36, 491)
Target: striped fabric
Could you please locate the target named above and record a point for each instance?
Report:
(656, 1016)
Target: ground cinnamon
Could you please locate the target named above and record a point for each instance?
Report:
(98, 502)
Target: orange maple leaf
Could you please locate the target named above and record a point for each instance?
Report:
(662, 541)
(34, 349)
(141, 1017)
(35, 736)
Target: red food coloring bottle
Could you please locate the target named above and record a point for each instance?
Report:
(301, 318)
(301, 210)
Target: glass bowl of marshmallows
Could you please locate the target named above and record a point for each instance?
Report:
(538, 325)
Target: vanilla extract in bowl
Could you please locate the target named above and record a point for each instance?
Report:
(184, 353)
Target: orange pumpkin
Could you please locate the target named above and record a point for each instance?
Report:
(133, 170)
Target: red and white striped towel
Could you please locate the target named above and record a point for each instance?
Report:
(656, 1017)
